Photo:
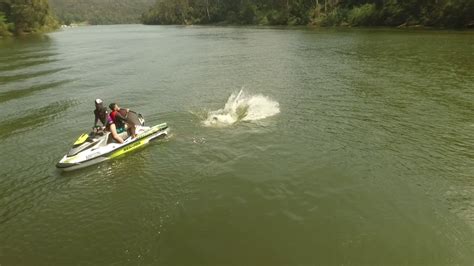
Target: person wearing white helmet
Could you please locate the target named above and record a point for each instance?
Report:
(100, 113)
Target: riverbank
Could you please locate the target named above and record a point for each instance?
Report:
(342, 26)
(405, 25)
(75, 24)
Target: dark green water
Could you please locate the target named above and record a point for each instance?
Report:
(370, 159)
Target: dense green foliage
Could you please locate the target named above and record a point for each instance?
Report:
(100, 11)
(4, 25)
(442, 13)
(25, 16)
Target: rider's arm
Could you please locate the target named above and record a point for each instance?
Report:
(121, 117)
(96, 119)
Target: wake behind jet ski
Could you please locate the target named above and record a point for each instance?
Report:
(99, 146)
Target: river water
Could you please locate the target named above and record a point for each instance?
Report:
(288, 146)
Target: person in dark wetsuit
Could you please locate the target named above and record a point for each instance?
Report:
(116, 123)
(100, 113)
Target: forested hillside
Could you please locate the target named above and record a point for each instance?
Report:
(25, 16)
(440, 13)
(100, 11)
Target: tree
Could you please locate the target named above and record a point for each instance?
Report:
(25, 16)
(4, 25)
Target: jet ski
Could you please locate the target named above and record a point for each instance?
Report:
(96, 147)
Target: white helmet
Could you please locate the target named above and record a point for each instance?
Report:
(98, 101)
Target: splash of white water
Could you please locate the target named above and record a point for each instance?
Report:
(242, 107)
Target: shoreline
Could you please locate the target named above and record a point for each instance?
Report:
(289, 27)
(400, 27)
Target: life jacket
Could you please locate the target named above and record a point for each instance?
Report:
(113, 116)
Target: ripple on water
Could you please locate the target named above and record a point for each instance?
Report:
(19, 93)
(26, 64)
(4, 79)
(34, 119)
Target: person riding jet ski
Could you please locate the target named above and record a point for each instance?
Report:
(95, 147)
(117, 123)
(100, 114)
